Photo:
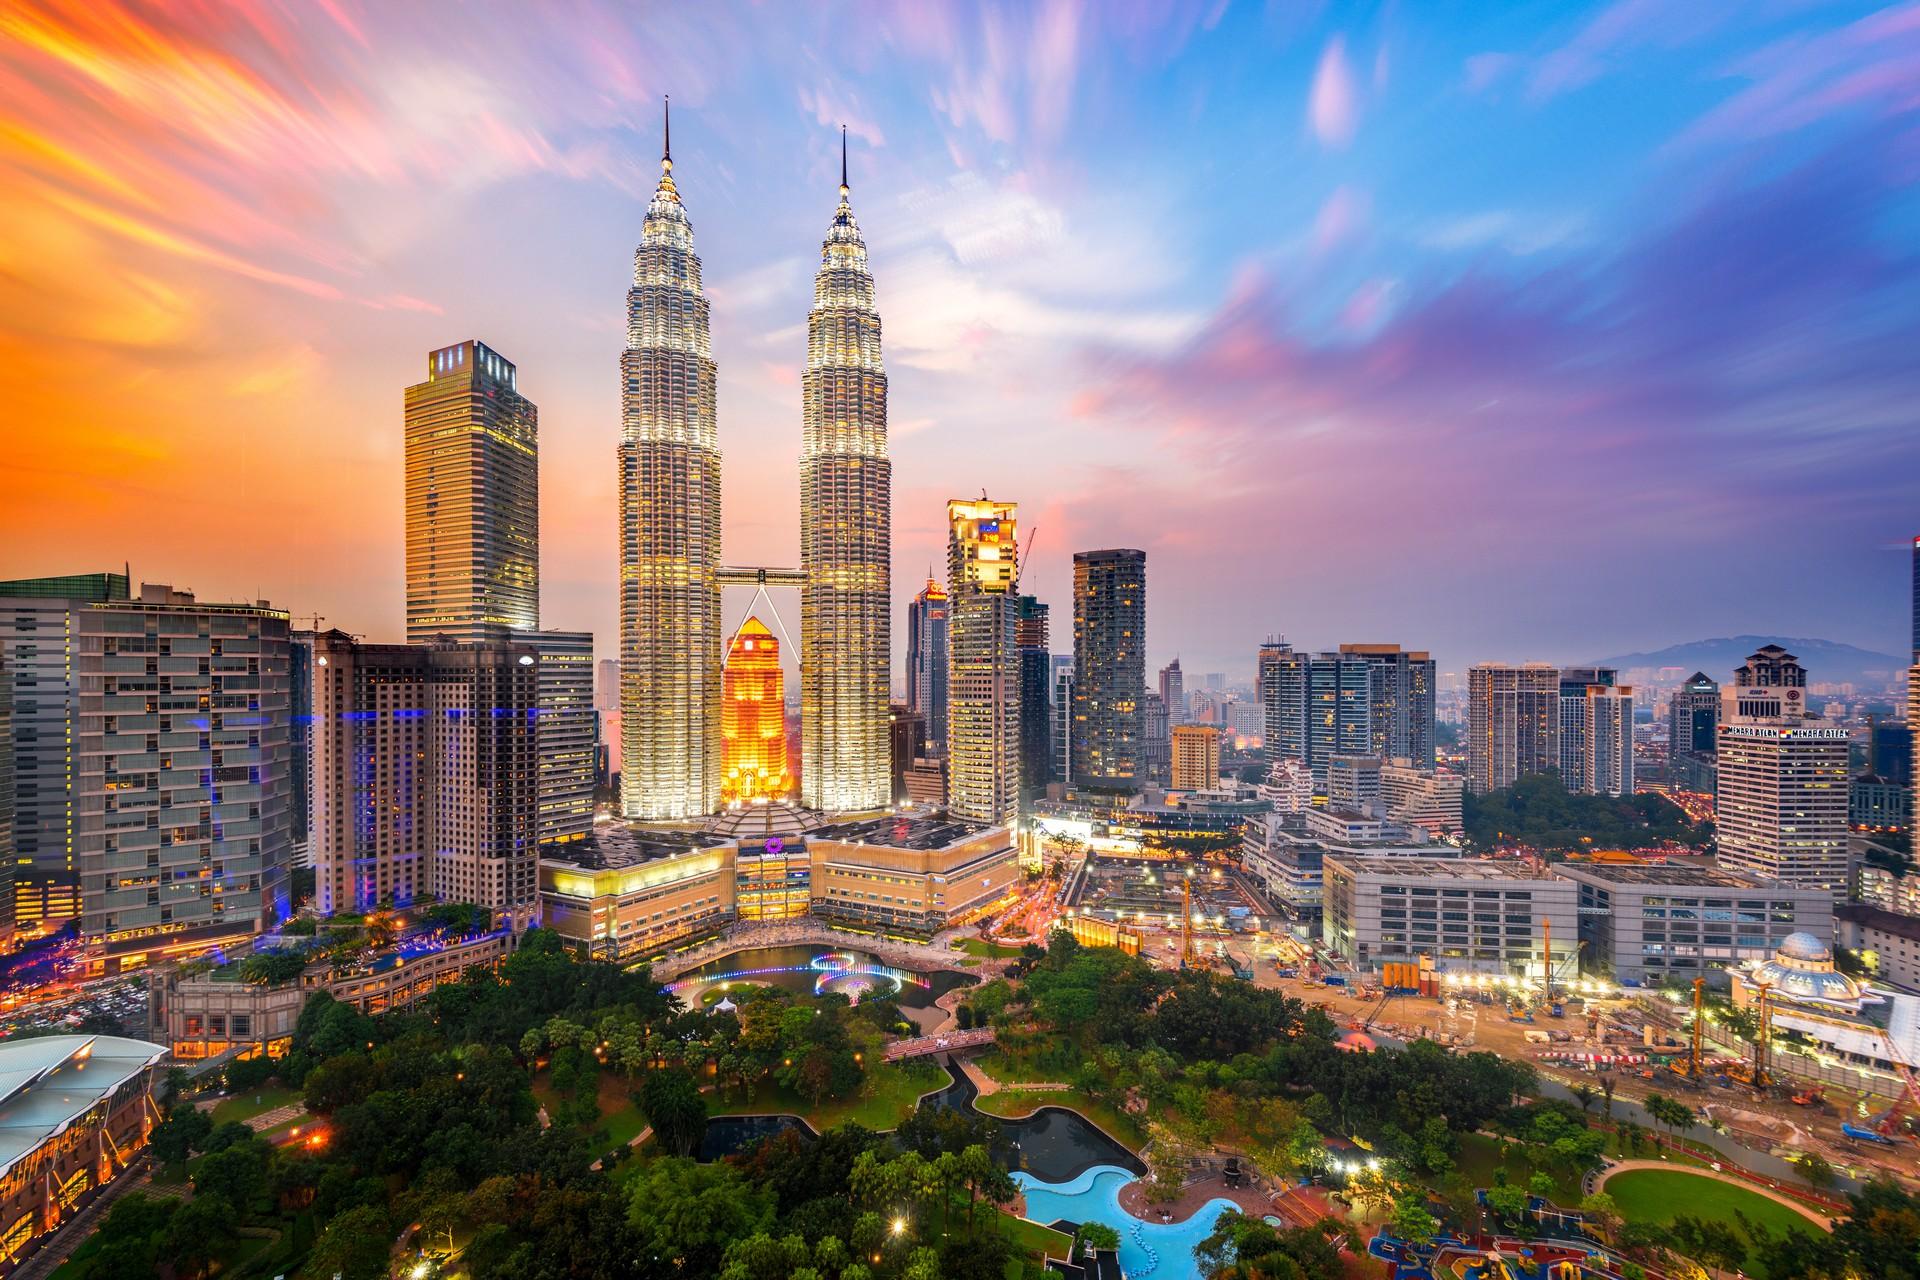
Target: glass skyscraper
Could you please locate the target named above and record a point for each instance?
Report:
(669, 527)
(473, 499)
(1109, 665)
(983, 686)
(846, 532)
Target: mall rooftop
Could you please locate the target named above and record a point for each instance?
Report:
(48, 1083)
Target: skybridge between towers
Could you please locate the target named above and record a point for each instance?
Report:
(739, 575)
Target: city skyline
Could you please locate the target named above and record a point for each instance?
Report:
(1346, 305)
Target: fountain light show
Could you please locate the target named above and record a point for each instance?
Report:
(845, 973)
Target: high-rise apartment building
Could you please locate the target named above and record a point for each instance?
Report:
(983, 664)
(1317, 706)
(1513, 723)
(473, 499)
(1693, 721)
(606, 685)
(1781, 795)
(1196, 757)
(846, 532)
(1916, 606)
(40, 644)
(183, 773)
(300, 735)
(669, 458)
(425, 775)
(1036, 662)
(1420, 797)
(6, 803)
(1173, 692)
(152, 760)
(927, 661)
(566, 734)
(1606, 732)
(1109, 664)
(1575, 761)
(1061, 747)
(753, 727)
(1400, 696)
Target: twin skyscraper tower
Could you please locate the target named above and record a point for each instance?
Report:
(671, 573)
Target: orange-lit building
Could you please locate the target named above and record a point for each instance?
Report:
(753, 722)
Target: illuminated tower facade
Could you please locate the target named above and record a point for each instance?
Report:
(473, 499)
(927, 661)
(669, 453)
(753, 726)
(983, 661)
(846, 540)
(1109, 665)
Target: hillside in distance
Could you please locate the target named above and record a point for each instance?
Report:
(1826, 661)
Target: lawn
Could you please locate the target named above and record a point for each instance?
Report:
(1010, 1070)
(1660, 1195)
(249, 1103)
(1034, 1238)
(886, 1099)
(1016, 1103)
(621, 1119)
(984, 950)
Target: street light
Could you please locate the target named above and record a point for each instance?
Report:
(899, 1226)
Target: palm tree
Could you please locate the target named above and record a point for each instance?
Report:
(1584, 1094)
(1606, 1088)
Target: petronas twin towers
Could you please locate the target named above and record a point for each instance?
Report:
(670, 567)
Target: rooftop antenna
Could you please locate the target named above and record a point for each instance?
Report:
(666, 137)
(843, 160)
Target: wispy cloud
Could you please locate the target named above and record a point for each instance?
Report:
(1333, 102)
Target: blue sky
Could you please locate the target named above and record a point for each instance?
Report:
(1508, 331)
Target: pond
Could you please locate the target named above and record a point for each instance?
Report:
(816, 970)
(1159, 1249)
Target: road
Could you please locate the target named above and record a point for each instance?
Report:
(1771, 1122)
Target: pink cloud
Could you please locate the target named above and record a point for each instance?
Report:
(1340, 218)
(1333, 107)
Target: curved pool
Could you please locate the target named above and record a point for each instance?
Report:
(1161, 1250)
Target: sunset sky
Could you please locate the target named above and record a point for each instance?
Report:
(1509, 331)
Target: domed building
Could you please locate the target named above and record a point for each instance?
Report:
(1802, 971)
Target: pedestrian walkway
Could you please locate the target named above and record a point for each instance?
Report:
(278, 1115)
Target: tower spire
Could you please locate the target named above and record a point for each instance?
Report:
(843, 160)
(666, 133)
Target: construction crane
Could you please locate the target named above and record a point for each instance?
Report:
(1699, 1028)
(1887, 1121)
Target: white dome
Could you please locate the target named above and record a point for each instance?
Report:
(1804, 946)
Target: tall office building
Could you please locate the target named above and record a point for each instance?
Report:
(606, 685)
(907, 740)
(1196, 757)
(1781, 797)
(565, 736)
(983, 665)
(1513, 723)
(1575, 759)
(1400, 696)
(669, 527)
(1036, 662)
(1916, 603)
(1109, 665)
(425, 775)
(927, 661)
(1693, 721)
(753, 728)
(1606, 731)
(1173, 692)
(1156, 741)
(473, 499)
(1317, 706)
(846, 532)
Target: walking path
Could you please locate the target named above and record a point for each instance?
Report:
(1193, 1197)
(279, 1115)
(1746, 1184)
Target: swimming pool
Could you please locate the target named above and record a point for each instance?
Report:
(1161, 1250)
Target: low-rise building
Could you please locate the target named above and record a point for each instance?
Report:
(1469, 915)
(1420, 797)
(1893, 889)
(1886, 942)
(636, 890)
(201, 1011)
(1286, 852)
(1642, 922)
(74, 1113)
